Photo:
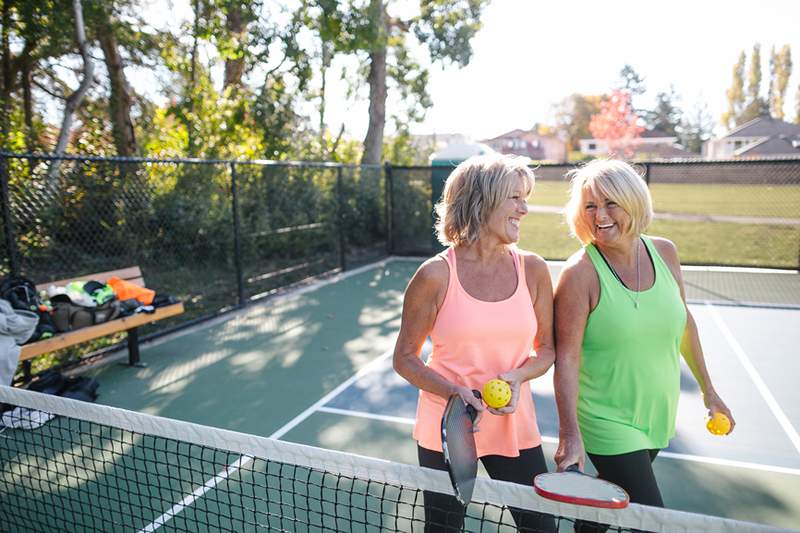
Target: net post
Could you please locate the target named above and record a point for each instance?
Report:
(8, 222)
(340, 219)
(646, 173)
(388, 192)
(237, 246)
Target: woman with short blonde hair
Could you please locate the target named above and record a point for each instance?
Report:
(487, 307)
(621, 326)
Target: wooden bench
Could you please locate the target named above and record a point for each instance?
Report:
(78, 336)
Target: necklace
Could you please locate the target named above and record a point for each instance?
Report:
(627, 291)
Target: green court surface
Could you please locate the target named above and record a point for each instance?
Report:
(313, 366)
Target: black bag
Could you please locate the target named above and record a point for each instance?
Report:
(21, 294)
(68, 316)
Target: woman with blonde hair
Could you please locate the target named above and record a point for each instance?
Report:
(621, 326)
(487, 307)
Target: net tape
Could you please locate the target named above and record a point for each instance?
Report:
(184, 476)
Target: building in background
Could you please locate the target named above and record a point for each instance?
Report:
(652, 144)
(531, 144)
(760, 137)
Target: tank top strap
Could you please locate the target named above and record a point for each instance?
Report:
(600, 266)
(519, 265)
(449, 256)
(663, 272)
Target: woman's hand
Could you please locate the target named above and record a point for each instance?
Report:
(469, 398)
(570, 451)
(514, 382)
(714, 404)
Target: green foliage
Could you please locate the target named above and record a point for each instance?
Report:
(735, 94)
(448, 26)
(666, 116)
(573, 115)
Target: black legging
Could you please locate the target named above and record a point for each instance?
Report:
(633, 472)
(443, 513)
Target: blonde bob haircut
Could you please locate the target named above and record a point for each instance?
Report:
(474, 190)
(615, 180)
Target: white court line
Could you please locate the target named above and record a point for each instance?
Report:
(325, 399)
(198, 493)
(244, 460)
(554, 440)
(783, 420)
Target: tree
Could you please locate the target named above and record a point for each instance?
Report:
(572, 117)
(782, 72)
(74, 99)
(617, 124)
(121, 97)
(756, 105)
(696, 128)
(445, 26)
(735, 94)
(666, 116)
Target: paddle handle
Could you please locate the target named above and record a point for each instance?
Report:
(471, 410)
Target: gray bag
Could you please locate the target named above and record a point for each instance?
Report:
(68, 316)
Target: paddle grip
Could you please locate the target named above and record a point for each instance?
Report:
(471, 410)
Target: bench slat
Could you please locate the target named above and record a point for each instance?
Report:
(71, 338)
(132, 274)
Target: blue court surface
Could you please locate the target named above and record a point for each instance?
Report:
(314, 367)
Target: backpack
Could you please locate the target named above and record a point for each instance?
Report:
(21, 294)
(69, 316)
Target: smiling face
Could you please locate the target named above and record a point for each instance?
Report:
(607, 221)
(504, 222)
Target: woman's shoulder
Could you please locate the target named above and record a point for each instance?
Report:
(532, 260)
(434, 271)
(666, 249)
(577, 269)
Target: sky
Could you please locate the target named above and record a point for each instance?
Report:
(530, 54)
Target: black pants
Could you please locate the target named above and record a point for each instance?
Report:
(443, 513)
(633, 472)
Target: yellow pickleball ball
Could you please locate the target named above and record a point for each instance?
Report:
(496, 393)
(719, 424)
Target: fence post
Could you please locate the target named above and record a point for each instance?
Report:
(237, 248)
(8, 222)
(387, 202)
(340, 219)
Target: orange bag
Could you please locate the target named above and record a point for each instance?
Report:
(125, 290)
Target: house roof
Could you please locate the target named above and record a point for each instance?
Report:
(778, 145)
(764, 127)
(518, 134)
(657, 134)
(663, 151)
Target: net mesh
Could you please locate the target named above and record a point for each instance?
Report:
(97, 468)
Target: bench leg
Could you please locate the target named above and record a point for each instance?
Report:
(133, 348)
(26, 371)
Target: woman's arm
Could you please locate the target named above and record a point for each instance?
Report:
(572, 307)
(537, 276)
(424, 295)
(691, 349)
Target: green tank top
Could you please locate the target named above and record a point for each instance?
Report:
(629, 380)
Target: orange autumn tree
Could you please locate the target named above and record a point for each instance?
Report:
(617, 124)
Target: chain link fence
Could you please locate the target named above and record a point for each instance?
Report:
(215, 234)
(218, 234)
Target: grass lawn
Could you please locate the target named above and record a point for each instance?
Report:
(710, 199)
(706, 243)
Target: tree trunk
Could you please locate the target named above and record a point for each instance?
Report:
(74, 100)
(373, 142)
(192, 76)
(5, 95)
(234, 68)
(27, 103)
(121, 101)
